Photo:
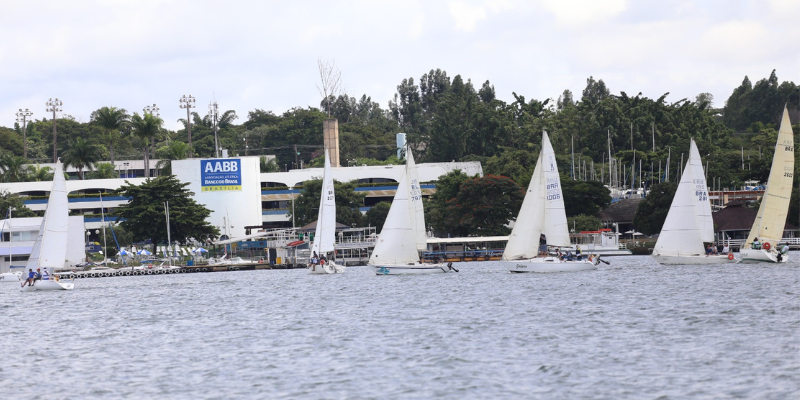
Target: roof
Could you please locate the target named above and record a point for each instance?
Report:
(312, 226)
(736, 217)
(621, 211)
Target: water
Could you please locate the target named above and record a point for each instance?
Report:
(631, 329)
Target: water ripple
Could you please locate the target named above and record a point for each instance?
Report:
(632, 329)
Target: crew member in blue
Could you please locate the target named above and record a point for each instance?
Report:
(31, 277)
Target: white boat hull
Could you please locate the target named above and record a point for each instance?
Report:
(48, 285)
(9, 277)
(760, 255)
(549, 264)
(413, 269)
(328, 268)
(694, 259)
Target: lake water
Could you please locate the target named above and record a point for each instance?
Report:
(632, 329)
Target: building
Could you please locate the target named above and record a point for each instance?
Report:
(262, 200)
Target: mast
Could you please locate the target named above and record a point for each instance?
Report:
(103, 220)
(573, 157)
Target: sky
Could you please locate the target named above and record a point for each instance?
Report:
(264, 54)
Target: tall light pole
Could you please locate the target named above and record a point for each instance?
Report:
(54, 106)
(152, 110)
(22, 116)
(188, 104)
(213, 111)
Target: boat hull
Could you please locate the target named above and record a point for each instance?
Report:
(328, 268)
(694, 259)
(9, 277)
(48, 285)
(549, 264)
(749, 256)
(413, 269)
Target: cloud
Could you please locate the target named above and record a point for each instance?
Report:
(467, 15)
(576, 13)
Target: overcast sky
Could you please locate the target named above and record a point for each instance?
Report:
(263, 54)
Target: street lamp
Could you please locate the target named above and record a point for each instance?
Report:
(54, 106)
(23, 116)
(152, 110)
(188, 102)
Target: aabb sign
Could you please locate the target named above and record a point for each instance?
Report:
(218, 175)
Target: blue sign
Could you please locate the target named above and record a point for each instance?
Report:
(220, 175)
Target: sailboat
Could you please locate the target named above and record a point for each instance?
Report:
(542, 213)
(689, 223)
(325, 235)
(403, 235)
(50, 248)
(771, 217)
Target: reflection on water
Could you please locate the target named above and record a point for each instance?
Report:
(631, 329)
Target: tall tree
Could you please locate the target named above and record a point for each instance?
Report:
(484, 206)
(111, 120)
(18, 207)
(13, 168)
(145, 218)
(146, 127)
(81, 154)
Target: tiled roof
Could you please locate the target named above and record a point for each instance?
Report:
(621, 211)
(736, 217)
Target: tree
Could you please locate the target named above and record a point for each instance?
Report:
(18, 207)
(268, 166)
(146, 127)
(173, 151)
(348, 203)
(584, 222)
(104, 171)
(144, 216)
(111, 120)
(13, 168)
(652, 211)
(37, 173)
(330, 82)
(81, 154)
(584, 197)
(447, 187)
(376, 215)
(484, 206)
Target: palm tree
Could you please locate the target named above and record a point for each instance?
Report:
(110, 120)
(13, 168)
(81, 154)
(37, 173)
(173, 151)
(104, 171)
(146, 127)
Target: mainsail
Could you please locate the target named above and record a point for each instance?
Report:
(396, 244)
(771, 217)
(683, 230)
(325, 235)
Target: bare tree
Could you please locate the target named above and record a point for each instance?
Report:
(330, 82)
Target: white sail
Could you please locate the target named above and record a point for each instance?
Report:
(415, 203)
(681, 234)
(542, 210)
(50, 248)
(396, 244)
(705, 221)
(771, 217)
(325, 235)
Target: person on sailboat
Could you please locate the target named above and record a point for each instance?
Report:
(542, 245)
(578, 255)
(726, 249)
(756, 244)
(31, 278)
(45, 275)
(38, 275)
